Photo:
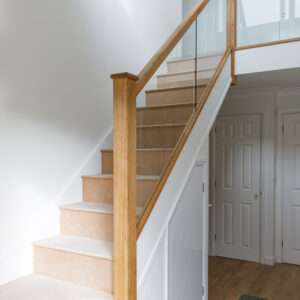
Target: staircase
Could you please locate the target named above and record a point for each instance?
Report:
(81, 257)
(95, 255)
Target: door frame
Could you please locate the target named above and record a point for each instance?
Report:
(204, 164)
(213, 143)
(279, 183)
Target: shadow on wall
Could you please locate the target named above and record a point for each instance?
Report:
(56, 103)
(51, 117)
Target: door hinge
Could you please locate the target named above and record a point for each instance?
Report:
(215, 129)
(282, 243)
(215, 183)
(215, 237)
(282, 128)
(203, 187)
(203, 291)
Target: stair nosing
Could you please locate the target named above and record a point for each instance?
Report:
(193, 58)
(110, 177)
(90, 210)
(161, 125)
(165, 106)
(68, 207)
(174, 88)
(146, 149)
(39, 244)
(184, 73)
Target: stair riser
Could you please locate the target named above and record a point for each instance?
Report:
(164, 115)
(87, 224)
(173, 96)
(148, 162)
(158, 137)
(166, 81)
(101, 190)
(79, 269)
(189, 65)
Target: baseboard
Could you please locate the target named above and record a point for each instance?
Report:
(269, 260)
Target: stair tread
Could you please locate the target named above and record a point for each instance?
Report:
(161, 125)
(165, 106)
(78, 245)
(110, 176)
(174, 88)
(185, 72)
(39, 287)
(146, 150)
(93, 207)
(193, 58)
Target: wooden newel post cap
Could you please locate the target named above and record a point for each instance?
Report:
(124, 75)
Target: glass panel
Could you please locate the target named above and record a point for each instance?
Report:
(297, 19)
(211, 43)
(170, 98)
(263, 21)
(258, 21)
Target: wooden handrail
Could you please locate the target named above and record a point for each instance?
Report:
(167, 171)
(156, 61)
(268, 44)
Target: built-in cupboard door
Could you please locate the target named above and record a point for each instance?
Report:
(238, 187)
(291, 189)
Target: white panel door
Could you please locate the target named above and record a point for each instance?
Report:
(291, 189)
(238, 187)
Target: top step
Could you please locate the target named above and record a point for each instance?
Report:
(188, 64)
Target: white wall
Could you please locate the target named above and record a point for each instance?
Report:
(56, 103)
(263, 59)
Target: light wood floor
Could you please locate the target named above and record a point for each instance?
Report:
(229, 279)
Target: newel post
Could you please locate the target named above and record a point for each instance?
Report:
(232, 33)
(125, 282)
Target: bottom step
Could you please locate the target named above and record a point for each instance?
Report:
(82, 261)
(38, 287)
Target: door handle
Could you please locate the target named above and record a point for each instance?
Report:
(255, 196)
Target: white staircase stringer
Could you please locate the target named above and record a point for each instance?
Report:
(152, 246)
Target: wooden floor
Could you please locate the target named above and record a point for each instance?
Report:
(229, 279)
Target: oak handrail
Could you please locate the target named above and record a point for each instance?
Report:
(156, 61)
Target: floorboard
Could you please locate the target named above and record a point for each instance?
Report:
(229, 279)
